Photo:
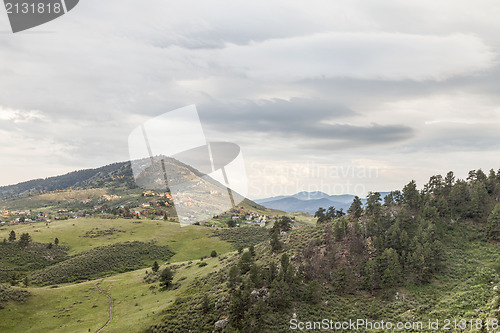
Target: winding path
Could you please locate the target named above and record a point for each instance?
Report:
(110, 307)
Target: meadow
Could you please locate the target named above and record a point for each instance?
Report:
(83, 234)
(81, 308)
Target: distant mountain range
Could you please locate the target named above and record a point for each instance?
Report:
(309, 202)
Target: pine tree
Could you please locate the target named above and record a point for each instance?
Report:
(313, 292)
(276, 245)
(245, 262)
(273, 272)
(411, 195)
(12, 236)
(155, 267)
(24, 240)
(239, 306)
(373, 203)
(251, 249)
(166, 278)
(285, 261)
(233, 276)
(279, 297)
(371, 275)
(391, 268)
(205, 304)
(493, 226)
(320, 215)
(356, 208)
(255, 276)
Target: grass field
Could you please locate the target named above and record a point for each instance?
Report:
(191, 242)
(81, 308)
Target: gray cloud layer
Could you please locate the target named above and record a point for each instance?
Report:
(382, 82)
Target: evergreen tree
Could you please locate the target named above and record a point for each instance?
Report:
(391, 268)
(285, 261)
(12, 236)
(205, 304)
(435, 185)
(279, 295)
(233, 276)
(398, 196)
(284, 223)
(24, 240)
(14, 279)
(356, 208)
(449, 181)
(371, 275)
(155, 267)
(238, 307)
(255, 276)
(313, 292)
(321, 215)
(56, 241)
(389, 199)
(493, 224)
(213, 254)
(373, 203)
(276, 244)
(331, 213)
(273, 272)
(338, 230)
(166, 278)
(341, 278)
(245, 262)
(411, 195)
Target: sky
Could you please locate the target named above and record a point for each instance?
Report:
(342, 97)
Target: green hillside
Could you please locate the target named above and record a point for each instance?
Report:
(412, 257)
(421, 255)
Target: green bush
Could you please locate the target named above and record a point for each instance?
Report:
(117, 258)
(244, 236)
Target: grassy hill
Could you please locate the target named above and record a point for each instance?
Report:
(80, 307)
(113, 175)
(423, 255)
(418, 255)
(79, 235)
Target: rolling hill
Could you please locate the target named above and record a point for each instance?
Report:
(423, 255)
(104, 189)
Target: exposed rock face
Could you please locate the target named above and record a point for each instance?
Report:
(221, 323)
(261, 293)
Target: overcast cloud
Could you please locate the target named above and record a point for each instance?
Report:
(406, 89)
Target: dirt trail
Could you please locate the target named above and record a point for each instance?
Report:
(110, 307)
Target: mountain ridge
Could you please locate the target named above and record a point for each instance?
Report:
(309, 202)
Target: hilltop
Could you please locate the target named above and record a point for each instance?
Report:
(111, 191)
